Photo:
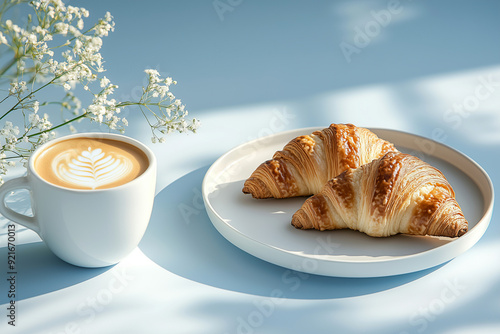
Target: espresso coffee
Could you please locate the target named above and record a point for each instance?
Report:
(90, 163)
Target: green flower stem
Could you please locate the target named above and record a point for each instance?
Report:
(146, 105)
(57, 126)
(32, 93)
(16, 156)
(143, 104)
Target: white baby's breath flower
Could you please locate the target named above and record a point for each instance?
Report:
(36, 106)
(32, 38)
(33, 119)
(104, 82)
(108, 17)
(153, 75)
(61, 28)
(15, 131)
(13, 88)
(3, 39)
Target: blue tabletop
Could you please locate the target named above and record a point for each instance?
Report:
(248, 69)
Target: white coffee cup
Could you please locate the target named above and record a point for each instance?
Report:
(87, 228)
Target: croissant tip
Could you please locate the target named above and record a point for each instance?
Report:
(296, 221)
(462, 231)
(256, 188)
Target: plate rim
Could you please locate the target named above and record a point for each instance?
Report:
(475, 233)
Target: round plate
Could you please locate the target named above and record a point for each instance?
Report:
(262, 227)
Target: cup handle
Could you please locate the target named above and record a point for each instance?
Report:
(5, 189)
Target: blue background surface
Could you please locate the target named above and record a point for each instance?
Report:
(252, 68)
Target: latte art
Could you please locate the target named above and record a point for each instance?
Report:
(90, 163)
(91, 168)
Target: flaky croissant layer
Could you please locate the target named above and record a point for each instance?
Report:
(397, 193)
(307, 162)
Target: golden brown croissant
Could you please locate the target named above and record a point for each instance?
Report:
(306, 163)
(397, 193)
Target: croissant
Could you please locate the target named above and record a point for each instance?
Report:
(397, 193)
(307, 162)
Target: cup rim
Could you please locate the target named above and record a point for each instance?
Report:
(115, 136)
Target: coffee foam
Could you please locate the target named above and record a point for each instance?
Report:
(90, 163)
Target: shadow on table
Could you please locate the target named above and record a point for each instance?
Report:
(38, 271)
(182, 239)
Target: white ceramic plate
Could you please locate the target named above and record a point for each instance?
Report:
(262, 227)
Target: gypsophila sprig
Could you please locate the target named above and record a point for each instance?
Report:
(169, 114)
(54, 48)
